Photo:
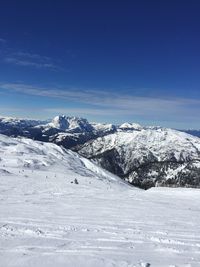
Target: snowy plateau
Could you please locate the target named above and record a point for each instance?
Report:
(58, 209)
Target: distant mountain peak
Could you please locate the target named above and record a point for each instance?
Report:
(64, 123)
(60, 122)
(130, 126)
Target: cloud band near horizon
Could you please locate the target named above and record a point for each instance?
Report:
(111, 103)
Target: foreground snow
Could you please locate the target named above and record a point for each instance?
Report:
(46, 220)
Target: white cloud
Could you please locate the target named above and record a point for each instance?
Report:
(32, 56)
(25, 63)
(116, 104)
(27, 59)
(84, 111)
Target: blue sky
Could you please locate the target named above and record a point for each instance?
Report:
(108, 61)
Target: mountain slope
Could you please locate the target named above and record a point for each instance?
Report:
(62, 130)
(192, 132)
(19, 127)
(148, 157)
(31, 156)
(58, 209)
(144, 156)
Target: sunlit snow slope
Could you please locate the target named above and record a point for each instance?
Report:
(46, 219)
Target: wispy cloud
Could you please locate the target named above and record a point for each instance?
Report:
(23, 62)
(104, 102)
(84, 111)
(3, 41)
(32, 56)
(26, 59)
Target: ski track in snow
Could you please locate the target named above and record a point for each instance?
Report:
(46, 220)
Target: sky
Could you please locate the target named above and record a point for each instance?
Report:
(107, 61)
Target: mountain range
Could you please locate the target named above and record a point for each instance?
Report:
(144, 156)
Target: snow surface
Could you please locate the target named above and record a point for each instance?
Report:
(46, 220)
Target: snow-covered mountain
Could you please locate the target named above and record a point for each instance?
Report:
(145, 156)
(18, 127)
(72, 131)
(192, 132)
(20, 122)
(64, 130)
(28, 156)
(59, 209)
(103, 128)
(149, 157)
(70, 124)
(130, 126)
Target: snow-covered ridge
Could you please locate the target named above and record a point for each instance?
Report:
(165, 144)
(145, 156)
(60, 128)
(22, 153)
(65, 123)
(130, 126)
(103, 127)
(61, 124)
(20, 122)
(192, 132)
(161, 156)
(71, 131)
